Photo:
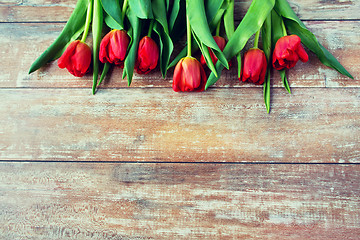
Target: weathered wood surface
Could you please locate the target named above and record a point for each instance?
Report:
(311, 125)
(60, 10)
(82, 194)
(23, 43)
(178, 201)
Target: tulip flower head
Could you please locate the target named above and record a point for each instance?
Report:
(147, 56)
(189, 75)
(76, 58)
(287, 52)
(221, 42)
(254, 66)
(113, 47)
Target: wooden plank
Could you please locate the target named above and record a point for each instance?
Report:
(45, 10)
(220, 125)
(178, 201)
(21, 44)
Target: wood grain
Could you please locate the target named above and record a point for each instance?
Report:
(60, 10)
(220, 125)
(144, 162)
(178, 201)
(23, 43)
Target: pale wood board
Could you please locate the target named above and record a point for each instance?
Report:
(178, 201)
(144, 162)
(23, 43)
(60, 10)
(141, 124)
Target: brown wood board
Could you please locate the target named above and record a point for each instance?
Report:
(141, 124)
(54, 11)
(23, 43)
(147, 163)
(178, 201)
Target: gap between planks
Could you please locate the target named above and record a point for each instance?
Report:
(169, 162)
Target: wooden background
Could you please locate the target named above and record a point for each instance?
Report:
(144, 162)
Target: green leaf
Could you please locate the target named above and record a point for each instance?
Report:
(167, 5)
(73, 38)
(205, 52)
(180, 27)
(267, 92)
(142, 8)
(75, 22)
(284, 80)
(229, 20)
(196, 12)
(97, 24)
(238, 58)
(229, 29)
(177, 20)
(211, 8)
(159, 11)
(104, 72)
(295, 26)
(277, 29)
(129, 63)
(162, 29)
(111, 23)
(218, 16)
(174, 14)
(166, 48)
(251, 23)
(266, 36)
(113, 10)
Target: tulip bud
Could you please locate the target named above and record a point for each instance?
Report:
(221, 42)
(254, 66)
(147, 56)
(189, 75)
(287, 52)
(113, 47)
(76, 58)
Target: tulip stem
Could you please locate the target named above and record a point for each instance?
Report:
(124, 7)
(256, 41)
(88, 21)
(283, 28)
(218, 28)
(188, 31)
(150, 27)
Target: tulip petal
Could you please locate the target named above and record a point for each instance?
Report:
(302, 54)
(249, 25)
(254, 66)
(65, 57)
(296, 26)
(189, 75)
(103, 56)
(75, 23)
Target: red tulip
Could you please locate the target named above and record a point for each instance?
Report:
(76, 58)
(288, 50)
(221, 42)
(189, 75)
(113, 47)
(147, 56)
(254, 66)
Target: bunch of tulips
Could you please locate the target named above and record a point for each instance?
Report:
(140, 35)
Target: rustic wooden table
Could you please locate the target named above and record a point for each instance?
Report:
(145, 162)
